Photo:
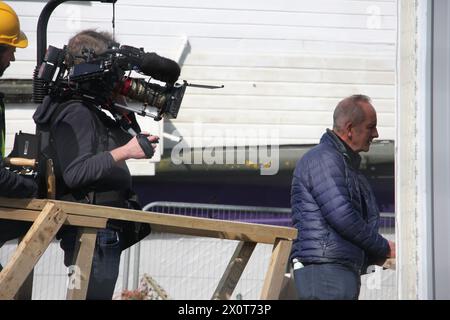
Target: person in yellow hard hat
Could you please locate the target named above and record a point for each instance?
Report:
(11, 184)
(11, 37)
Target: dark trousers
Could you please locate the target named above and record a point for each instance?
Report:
(12, 229)
(327, 281)
(105, 262)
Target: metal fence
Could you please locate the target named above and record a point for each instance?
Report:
(378, 285)
(263, 215)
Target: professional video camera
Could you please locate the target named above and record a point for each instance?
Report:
(99, 76)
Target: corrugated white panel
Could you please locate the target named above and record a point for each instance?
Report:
(285, 64)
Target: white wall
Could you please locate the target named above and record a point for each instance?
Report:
(284, 64)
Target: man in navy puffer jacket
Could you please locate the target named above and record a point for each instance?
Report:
(335, 210)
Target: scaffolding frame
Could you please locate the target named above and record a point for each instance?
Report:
(48, 216)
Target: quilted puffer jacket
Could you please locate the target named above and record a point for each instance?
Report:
(334, 208)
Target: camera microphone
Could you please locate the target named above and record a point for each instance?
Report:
(160, 68)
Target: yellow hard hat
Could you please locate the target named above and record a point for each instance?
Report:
(10, 33)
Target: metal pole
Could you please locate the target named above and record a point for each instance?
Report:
(126, 269)
(137, 260)
(39, 88)
(43, 22)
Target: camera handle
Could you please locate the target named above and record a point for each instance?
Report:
(145, 145)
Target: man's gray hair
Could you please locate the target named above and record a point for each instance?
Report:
(88, 39)
(349, 110)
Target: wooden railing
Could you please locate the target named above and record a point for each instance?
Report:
(48, 216)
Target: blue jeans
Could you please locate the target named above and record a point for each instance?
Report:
(105, 262)
(327, 281)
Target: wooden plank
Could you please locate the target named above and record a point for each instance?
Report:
(234, 270)
(277, 268)
(237, 231)
(81, 267)
(170, 223)
(26, 290)
(186, 225)
(31, 215)
(198, 231)
(173, 219)
(30, 250)
(31, 204)
(18, 214)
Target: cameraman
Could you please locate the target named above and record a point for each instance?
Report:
(90, 151)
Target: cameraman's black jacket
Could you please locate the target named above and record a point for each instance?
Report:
(81, 137)
(12, 184)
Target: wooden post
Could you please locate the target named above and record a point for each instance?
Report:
(81, 268)
(26, 290)
(234, 270)
(277, 268)
(30, 250)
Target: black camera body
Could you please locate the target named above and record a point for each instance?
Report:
(98, 77)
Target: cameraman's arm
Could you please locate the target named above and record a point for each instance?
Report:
(13, 185)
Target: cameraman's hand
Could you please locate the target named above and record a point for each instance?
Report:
(132, 150)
